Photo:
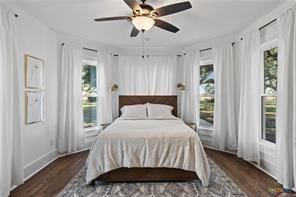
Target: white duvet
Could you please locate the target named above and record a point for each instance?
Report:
(147, 143)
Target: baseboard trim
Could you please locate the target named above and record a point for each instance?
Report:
(255, 165)
(47, 159)
(41, 160)
(67, 154)
(263, 170)
(32, 168)
(224, 151)
(40, 163)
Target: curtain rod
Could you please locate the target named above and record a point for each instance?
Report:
(260, 28)
(178, 55)
(94, 50)
(84, 48)
(263, 26)
(205, 49)
(233, 43)
(90, 49)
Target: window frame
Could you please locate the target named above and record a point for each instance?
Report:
(205, 62)
(93, 62)
(264, 47)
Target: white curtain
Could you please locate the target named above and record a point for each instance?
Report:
(106, 75)
(11, 157)
(224, 114)
(190, 96)
(115, 80)
(249, 111)
(133, 76)
(162, 75)
(71, 132)
(147, 76)
(286, 103)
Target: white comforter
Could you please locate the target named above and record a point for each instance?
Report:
(147, 143)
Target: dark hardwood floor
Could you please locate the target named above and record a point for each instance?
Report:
(51, 180)
(249, 178)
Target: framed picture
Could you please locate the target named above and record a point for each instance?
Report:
(34, 106)
(34, 72)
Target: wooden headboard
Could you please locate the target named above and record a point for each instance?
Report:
(132, 100)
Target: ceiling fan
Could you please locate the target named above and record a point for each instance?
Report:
(144, 16)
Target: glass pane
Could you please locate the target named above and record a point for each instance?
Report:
(207, 80)
(269, 118)
(89, 95)
(90, 112)
(270, 71)
(206, 111)
(89, 80)
(207, 92)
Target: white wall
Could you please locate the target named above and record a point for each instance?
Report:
(39, 139)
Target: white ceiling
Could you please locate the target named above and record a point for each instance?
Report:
(207, 19)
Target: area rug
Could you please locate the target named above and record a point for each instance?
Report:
(220, 186)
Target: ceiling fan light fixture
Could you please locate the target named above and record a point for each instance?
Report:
(143, 23)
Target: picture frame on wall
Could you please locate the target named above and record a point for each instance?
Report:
(34, 107)
(34, 72)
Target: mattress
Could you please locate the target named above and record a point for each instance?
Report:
(147, 143)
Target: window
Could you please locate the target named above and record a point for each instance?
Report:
(89, 95)
(268, 100)
(207, 95)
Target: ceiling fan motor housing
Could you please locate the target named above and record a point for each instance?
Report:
(147, 10)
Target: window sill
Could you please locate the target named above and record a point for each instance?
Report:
(206, 128)
(91, 129)
(267, 144)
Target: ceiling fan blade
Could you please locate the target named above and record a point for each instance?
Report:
(134, 32)
(166, 26)
(133, 4)
(112, 18)
(173, 8)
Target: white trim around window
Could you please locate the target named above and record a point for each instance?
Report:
(264, 47)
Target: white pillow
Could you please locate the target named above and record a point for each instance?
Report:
(134, 111)
(160, 111)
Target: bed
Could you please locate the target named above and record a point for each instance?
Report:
(147, 149)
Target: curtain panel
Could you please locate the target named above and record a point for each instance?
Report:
(71, 132)
(190, 96)
(108, 110)
(11, 155)
(224, 113)
(249, 110)
(155, 75)
(162, 75)
(133, 76)
(286, 101)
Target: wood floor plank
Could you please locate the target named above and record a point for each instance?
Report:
(52, 179)
(250, 179)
